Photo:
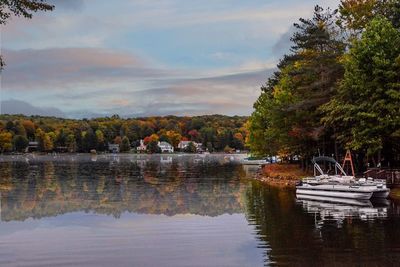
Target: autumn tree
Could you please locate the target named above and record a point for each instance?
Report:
(45, 144)
(125, 144)
(118, 140)
(5, 141)
(29, 129)
(173, 137)
(83, 135)
(356, 14)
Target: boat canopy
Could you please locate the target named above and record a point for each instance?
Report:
(338, 168)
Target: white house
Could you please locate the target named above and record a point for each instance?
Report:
(165, 147)
(113, 148)
(142, 147)
(184, 144)
(32, 146)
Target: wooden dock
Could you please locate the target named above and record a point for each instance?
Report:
(392, 176)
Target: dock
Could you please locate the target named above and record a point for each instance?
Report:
(392, 176)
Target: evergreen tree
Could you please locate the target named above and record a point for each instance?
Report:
(125, 144)
(20, 143)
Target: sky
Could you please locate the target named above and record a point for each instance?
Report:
(92, 58)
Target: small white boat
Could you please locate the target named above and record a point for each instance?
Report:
(254, 161)
(340, 185)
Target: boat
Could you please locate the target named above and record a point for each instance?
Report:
(254, 161)
(340, 185)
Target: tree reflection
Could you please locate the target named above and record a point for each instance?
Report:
(142, 185)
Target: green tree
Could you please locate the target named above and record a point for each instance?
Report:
(286, 116)
(367, 105)
(125, 144)
(89, 140)
(100, 140)
(191, 148)
(71, 143)
(153, 147)
(20, 142)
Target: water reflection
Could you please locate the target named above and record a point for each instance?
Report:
(177, 210)
(310, 232)
(124, 210)
(338, 210)
(115, 184)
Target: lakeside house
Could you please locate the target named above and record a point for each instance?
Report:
(142, 147)
(165, 147)
(32, 146)
(184, 144)
(113, 148)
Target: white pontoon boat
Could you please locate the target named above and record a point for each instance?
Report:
(340, 184)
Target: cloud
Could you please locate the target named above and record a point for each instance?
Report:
(231, 94)
(283, 44)
(59, 68)
(154, 57)
(14, 106)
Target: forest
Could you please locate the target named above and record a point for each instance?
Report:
(214, 132)
(337, 88)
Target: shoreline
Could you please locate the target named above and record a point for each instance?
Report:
(281, 175)
(276, 181)
(289, 179)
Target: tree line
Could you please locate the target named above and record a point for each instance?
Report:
(338, 88)
(214, 132)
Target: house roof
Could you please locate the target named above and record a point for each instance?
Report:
(163, 143)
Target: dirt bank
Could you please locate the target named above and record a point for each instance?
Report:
(283, 175)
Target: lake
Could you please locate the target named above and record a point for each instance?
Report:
(178, 210)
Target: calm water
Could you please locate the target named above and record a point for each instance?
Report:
(178, 211)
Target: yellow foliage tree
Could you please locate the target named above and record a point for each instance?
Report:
(5, 141)
(174, 137)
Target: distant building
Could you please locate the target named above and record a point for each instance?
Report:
(199, 147)
(184, 144)
(142, 147)
(165, 147)
(113, 148)
(32, 146)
